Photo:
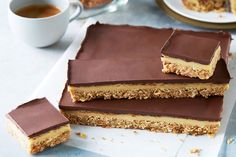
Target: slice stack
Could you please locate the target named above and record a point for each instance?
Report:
(117, 81)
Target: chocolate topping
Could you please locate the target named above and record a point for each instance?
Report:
(190, 48)
(121, 43)
(36, 117)
(198, 108)
(111, 71)
(104, 41)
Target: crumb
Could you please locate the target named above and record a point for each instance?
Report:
(112, 140)
(121, 142)
(230, 55)
(211, 135)
(195, 151)
(135, 132)
(230, 140)
(182, 140)
(122, 135)
(104, 138)
(82, 135)
(93, 138)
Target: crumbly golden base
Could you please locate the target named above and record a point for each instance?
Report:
(169, 67)
(49, 142)
(152, 123)
(204, 6)
(39, 143)
(94, 3)
(190, 69)
(146, 91)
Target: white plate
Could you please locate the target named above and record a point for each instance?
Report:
(211, 17)
(124, 142)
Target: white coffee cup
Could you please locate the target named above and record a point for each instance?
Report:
(41, 32)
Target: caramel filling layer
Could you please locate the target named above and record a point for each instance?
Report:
(145, 91)
(191, 69)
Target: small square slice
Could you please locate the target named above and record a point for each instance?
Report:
(38, 125)
(190, 55)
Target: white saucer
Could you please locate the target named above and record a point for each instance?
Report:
(211, 17)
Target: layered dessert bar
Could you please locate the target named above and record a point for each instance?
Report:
(140, 43)
(205, 5)
(94, 3)
(211, 5)
(190, 55)
(185, 115)
(137, 79)
(38, 125)
(105, 41)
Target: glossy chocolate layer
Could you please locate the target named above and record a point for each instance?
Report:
(198, 108)
(123, 41)
(190, 48)
(111, 71)
(36, 117)
(118, 43)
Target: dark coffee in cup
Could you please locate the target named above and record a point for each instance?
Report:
(38, 11)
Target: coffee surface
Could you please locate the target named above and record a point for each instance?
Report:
(38, 11)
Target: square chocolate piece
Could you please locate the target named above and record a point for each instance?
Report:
(38, 125)
(190, 55)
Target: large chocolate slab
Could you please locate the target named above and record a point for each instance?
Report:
(198, 108)
(190, 48)
(111, 71)
(123, 41)
(36, 117)
(136, 42)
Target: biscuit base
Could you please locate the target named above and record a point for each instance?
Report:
(146, 91)
(40, 142)
(190, 69)
(204, 6)
(152, 123)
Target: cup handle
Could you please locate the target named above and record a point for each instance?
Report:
(78, 11)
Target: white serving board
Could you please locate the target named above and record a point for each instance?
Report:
(212, 17)
(125, 142)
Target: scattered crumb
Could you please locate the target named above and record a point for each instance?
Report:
(220, 16)
(135, 132)
(182, 140)
(122, 135)
(93, 138)
(112, 140)
(81, 135)
(230, 140)
(195, 151)
(211, 135)
(121, 142)
(104, 138)
(175, 134)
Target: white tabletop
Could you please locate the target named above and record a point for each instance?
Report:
(22, 68)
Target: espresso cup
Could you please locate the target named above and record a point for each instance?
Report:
(41, 32)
